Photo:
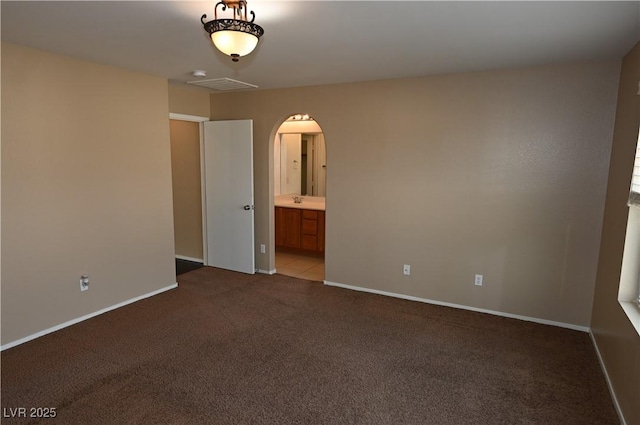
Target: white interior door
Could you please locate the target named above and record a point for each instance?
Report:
(228, 192)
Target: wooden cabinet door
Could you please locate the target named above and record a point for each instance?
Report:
(291, 227)
(279, 227)
(321, 228)
(300, 229)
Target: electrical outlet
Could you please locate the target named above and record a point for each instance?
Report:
(84, 282)
(263, 248)
(406, 270)
(478, 280)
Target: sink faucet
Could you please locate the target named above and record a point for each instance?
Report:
(297, 199)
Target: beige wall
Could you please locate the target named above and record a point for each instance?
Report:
(86, 188)
(617, 340)
(188, 100)
(187, 204)
(456, 175)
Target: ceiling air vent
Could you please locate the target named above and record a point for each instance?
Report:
(223, 84)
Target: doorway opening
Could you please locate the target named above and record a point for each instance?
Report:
(186, 183)
(300, 177)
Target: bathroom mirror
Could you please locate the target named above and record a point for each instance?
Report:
(300, 160)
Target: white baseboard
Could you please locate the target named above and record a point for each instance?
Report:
(460, 306)
(273, 271)
(85, 317)
(606, 375)
(195, 260)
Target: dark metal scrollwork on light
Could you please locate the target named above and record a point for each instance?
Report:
(235, 36)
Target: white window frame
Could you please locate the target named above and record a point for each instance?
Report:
(629, 291)
(634, 191)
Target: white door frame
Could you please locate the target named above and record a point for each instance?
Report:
(200, 120)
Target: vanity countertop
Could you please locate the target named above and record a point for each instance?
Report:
(308, 202)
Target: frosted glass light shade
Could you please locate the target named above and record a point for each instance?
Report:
(232, 42)
(235, 36)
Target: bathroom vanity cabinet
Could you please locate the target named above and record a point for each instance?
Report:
(300, 229)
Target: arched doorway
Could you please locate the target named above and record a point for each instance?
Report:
(300, 197)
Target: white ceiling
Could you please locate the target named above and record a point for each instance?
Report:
(320, 42)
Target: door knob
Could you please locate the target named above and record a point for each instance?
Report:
(247, 207)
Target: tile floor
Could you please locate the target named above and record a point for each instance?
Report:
(296, 265)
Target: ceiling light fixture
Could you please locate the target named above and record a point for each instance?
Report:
(234, 36)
